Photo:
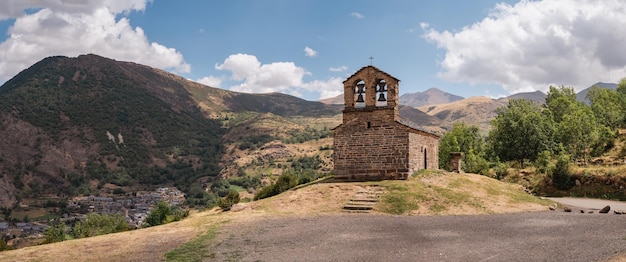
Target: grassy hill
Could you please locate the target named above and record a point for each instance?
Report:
(71, 126)
(425, 194)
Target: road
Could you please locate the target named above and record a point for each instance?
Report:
(535, 236)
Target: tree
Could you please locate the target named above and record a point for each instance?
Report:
(466, 139)
(164, 213)
(608, 106)
(559, 101)
(580, 132)
(55, 233)
(520, 131)
(158, 215)
(96, 224)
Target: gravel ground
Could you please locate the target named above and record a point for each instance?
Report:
(535, 236)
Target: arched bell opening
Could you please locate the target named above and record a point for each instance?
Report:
(381, 93)
(359, 94)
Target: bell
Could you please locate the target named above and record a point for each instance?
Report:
(359, 98)
(382, 87)
(361, 88)
(381, 97)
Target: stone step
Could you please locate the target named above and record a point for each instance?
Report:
(356, 211)
(364, 199)
(357, 207)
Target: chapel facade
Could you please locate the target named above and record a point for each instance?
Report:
(374, 142)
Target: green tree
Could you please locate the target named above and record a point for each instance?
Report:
(466, 139)
(580, 132)
(55, 233)
(164, 213)
(520, 131)
(159, 214)
(561, 175)
(621, 86)
(96, 224)
(560, 100)
(608, 106)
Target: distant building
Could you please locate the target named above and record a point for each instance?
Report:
(374, 142)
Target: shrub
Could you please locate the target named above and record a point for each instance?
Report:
(227, 202)
(285, 182)
(561, 175)
(543, 161)
(500, 170)
(475, 163)
(96, 224)
(55, 233)
(164, 214)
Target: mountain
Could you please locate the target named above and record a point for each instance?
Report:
(477, 110)
(337, 100)
(537, 97)
(72, 125)
(432, 96)
(582, 95)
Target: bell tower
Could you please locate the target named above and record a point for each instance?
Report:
(371, 97)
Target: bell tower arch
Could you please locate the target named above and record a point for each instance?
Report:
(370, 91)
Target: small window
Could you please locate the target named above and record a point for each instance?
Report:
(369, 124)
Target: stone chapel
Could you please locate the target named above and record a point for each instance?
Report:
(374, 142)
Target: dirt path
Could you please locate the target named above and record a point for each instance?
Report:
(534, 236)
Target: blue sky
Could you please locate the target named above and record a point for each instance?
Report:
(307, 48)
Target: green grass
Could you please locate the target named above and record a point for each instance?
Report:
(196, 249)
(441, 192)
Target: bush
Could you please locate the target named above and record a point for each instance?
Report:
(55, 233)
(96, 224)
(475, 164)
(227, 202)
(561, 175)
(543, 161)
(164, 214)
(284, 183)
(500, 170)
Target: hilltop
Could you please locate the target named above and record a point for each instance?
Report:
(426, 194)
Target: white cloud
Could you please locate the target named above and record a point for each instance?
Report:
(74, 27)
(534, 44)
(357, 15)
(211, 81)
(328, 88)
(310, 52)
(284, 77)
(338, 69)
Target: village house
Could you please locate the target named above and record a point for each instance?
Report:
(374, 142)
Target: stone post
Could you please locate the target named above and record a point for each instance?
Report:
(456, 158)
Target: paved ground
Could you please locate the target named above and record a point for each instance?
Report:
(589, 203)
(536, 236)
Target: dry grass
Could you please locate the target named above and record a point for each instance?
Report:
(440, 194)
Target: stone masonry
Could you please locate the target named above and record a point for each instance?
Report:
(374, 142)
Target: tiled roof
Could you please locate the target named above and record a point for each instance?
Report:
(411, 124)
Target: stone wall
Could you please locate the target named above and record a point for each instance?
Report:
(424, 151)
(375, 153)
